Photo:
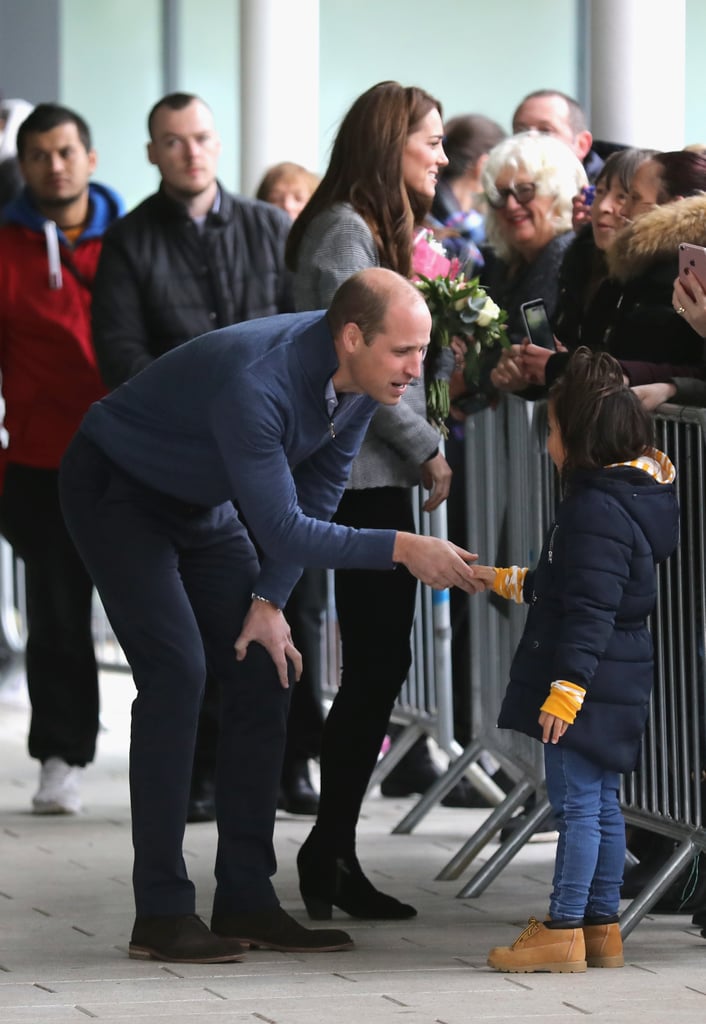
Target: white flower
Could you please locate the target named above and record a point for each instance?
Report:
(435, 245)
(488, 313)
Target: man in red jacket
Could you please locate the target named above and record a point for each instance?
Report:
(49, 246)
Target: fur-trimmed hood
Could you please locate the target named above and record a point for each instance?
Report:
(656, 235)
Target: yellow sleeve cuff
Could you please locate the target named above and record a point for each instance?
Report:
(564, 701)
(509, 583)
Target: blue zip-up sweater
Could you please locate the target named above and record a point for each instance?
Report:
(241, 415)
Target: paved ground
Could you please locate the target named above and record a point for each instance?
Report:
(65, 918)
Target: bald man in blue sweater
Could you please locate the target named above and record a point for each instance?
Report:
(268, 414)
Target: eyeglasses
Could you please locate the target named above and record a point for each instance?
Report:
(522, 194)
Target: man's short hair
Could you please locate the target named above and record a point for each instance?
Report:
(46, 116)
(172, 101)
(358, 302)
(577, 118)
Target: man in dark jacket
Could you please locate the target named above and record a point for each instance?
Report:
(189, 259)
(49, 248)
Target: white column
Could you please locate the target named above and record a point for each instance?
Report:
(279, 86)
(638, 58)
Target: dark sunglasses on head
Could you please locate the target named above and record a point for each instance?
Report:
(522, 194)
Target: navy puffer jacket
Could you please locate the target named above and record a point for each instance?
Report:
(589, 597)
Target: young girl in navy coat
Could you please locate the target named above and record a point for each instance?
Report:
(581, 678)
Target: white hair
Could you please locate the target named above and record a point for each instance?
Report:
(549, 163)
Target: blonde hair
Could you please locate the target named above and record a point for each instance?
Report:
(286, 172)
(550, 164)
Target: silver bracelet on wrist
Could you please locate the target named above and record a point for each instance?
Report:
(265, 600)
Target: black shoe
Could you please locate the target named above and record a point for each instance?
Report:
(414, 773)
(655, 852)
(464, 795)
(699, 918)
(328, 880)
(296, 794)
(275, 929)
(180, 939)
(202, 801)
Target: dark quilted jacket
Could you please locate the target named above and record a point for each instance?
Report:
(161, 281)
(589, 597)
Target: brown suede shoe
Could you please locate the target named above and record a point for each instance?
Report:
(180, 939)
(604, 945)
(275, 929)
(538, 948)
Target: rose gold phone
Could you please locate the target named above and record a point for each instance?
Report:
(692, 263)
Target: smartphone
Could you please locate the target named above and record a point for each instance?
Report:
(539, 330)
(692, 263)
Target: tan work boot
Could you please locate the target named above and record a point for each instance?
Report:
(604, 945)
(538, 948)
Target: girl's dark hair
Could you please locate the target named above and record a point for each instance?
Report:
(466, 138)
(365, 170)
(601, 420)
(622, 165)
(682, 173)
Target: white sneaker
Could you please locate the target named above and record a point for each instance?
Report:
(58, 789)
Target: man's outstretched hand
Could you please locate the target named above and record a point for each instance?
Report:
(438, 563)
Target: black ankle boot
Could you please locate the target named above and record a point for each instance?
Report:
(414, 773)
(327, 880)
(296, 794)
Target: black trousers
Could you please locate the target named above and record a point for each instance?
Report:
(176, 582)
(61, 667)
(375, 616)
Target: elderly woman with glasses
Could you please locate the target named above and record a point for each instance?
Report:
(529, 181)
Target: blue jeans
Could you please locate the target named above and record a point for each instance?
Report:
(590, 854)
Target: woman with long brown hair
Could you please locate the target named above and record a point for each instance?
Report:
(379, 184)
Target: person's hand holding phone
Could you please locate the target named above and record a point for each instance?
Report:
(691, 304)
(581, 207)
(506, 375)
(533, 361)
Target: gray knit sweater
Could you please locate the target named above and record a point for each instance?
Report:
(336, 244)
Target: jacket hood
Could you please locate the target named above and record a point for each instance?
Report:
(647, 495)
(106, 206)
(656, 235)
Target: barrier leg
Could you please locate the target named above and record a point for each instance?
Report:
(463, 765)
(401, 745)
(507, 850)
(643, 903)
(492, 824)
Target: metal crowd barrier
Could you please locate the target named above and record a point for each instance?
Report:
(425, 704)
(511, 496)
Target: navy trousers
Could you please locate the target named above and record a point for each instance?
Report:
(175, 581)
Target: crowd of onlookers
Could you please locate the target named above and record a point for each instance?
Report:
(91, 295)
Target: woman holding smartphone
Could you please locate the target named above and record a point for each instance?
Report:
(630, 313)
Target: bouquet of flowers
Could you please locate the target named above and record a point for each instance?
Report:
(459, 307)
